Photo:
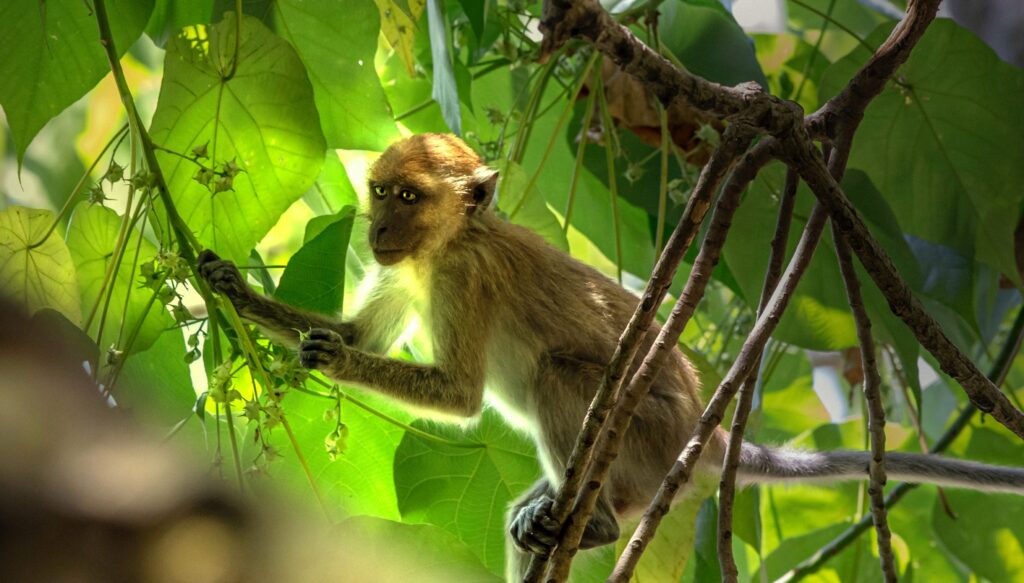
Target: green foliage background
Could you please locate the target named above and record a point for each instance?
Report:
(300, 95)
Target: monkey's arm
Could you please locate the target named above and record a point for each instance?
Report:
(279, 321)
(453, 384)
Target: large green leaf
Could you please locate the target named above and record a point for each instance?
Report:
(361, 479)
(52, 56)
(263, 116)
(92, 235)
(315, 276)
(354, 112)
(936, 142)
(40, 277)
(465, 490)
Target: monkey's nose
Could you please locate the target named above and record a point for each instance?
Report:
(377, 235)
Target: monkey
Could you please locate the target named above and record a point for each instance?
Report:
(509, 312)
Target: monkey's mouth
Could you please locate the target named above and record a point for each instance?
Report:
(388, 256)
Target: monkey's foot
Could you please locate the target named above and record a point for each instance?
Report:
(534, 529)
(222, 275)
(322, 348)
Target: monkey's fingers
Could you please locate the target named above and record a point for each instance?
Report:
(534, 530)
(326, 335)
(316, 354)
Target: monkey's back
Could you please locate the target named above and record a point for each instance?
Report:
(553, 325)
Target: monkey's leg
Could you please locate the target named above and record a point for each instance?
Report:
(281, 322)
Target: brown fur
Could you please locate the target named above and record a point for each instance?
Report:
(504, 309)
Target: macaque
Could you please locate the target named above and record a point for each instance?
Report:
(509, 312)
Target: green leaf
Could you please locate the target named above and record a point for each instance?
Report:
(445, 91)
(392, 551)
(706, 567)
(933, 140)
(263, 117)
(315, 276)
(709, 42)
(669, 552)
(987, 533)
(477, 12)
(819, 315)
(92, 235)
(52, 57)
(354, 113)
(533, 212)
(170, 16)
(465, 490)
(157, 382)
(359, 481)
(332, 190)
(41, 277)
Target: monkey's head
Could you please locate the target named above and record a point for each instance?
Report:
(423, 190)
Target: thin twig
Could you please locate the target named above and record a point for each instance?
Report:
(876, 411)
(727, 485)
(681, 471)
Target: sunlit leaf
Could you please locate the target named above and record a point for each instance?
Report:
(400, 30)
(40, 277)
(92, 234)
(354, 113)
(263, 117)
(465, 490)
(53, 56)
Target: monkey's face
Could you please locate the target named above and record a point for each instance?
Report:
(407, 220)
(422, 189)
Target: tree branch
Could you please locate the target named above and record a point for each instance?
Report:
(985, 395)
(997, 374)
(629, 343)
(611, 439)
(713, 413)
(876, 412)
(727, 485)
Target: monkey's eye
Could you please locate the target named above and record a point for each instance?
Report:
(379, 191)
(408, 196)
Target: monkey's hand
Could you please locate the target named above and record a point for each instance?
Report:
(534, 529)
(323, 350)
(224, 277)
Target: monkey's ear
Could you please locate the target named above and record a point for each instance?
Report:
(484, 181)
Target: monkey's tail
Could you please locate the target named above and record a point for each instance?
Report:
(763, 464)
